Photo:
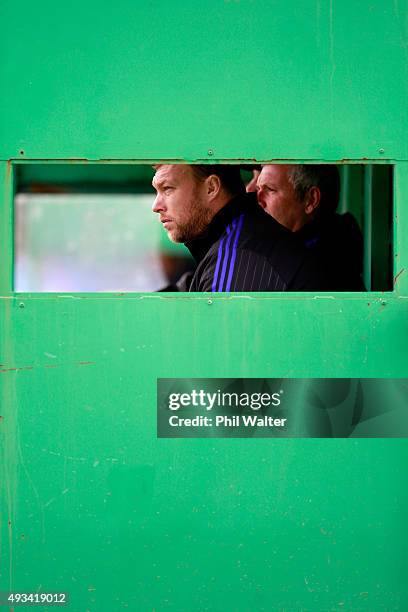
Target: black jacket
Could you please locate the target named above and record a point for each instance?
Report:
(245, 249)
(338, 243)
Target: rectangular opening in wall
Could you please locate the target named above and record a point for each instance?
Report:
(90, 228)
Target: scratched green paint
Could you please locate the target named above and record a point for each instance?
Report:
(250, 78)
(97, 505)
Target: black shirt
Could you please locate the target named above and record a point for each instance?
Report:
(245, 249)
(338, 243)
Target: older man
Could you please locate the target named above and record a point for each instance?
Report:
(304, 198)
(236, 245)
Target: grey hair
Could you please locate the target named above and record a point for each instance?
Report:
(324, 176)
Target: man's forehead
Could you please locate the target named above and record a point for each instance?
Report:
(173, 172)
(276, 172)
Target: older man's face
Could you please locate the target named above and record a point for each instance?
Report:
(180, 202)
(277, 196)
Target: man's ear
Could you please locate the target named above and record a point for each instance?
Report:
(213, 186)
(312, 200)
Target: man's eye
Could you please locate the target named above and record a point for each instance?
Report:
(168, 189)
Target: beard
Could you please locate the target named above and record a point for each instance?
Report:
(199, 217)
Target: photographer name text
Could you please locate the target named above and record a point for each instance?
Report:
(227, 421)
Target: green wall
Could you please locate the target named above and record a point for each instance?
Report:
(91, 502)
(246, 79)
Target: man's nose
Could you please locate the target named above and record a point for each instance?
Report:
(158, 205)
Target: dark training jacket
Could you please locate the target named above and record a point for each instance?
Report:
(337, 242)
(245, 249)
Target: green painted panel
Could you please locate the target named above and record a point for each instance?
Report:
(102, 508)
(91, 502)
(231, 336)
(250, 79)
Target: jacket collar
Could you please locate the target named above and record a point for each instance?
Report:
(239, 204)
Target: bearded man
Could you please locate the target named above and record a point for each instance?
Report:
(236, 245)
